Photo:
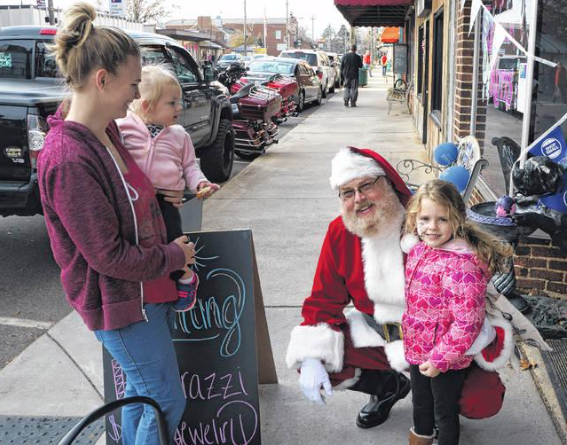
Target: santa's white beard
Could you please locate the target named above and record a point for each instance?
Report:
(388, 209)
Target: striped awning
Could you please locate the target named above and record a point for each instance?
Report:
(374, 12)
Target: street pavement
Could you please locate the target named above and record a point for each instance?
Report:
(285, 198)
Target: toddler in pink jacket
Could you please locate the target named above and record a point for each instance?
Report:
(447, 274)
(165, 153)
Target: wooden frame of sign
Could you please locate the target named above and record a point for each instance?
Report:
(222, 345)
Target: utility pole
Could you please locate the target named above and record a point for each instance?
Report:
(287, 23)
(265, 31)
(245, 36)
(313, 30)
(50, 11)
(371, 45)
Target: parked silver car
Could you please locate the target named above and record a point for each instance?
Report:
(320, 63)
(336, 64)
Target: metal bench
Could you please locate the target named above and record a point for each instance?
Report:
(399, 93)
(469, 156)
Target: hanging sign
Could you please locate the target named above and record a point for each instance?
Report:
(118, 7)
(423, 8)
(552, 146)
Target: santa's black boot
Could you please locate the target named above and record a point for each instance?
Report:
(385, 389)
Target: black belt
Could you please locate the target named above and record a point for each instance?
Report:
(388, 331)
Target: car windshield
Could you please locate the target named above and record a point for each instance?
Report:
(16, 59)
(311, 58)
(272, 66)
(228, 57)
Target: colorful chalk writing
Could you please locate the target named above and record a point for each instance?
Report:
(216, 316)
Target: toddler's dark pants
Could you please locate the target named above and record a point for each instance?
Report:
(437, 399)
(172, 219)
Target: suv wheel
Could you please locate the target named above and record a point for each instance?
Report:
(301, 102)
(325, 90)
(319, 97)
(217, 159)
(332, 89)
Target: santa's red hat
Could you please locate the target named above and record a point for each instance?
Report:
(351, 163)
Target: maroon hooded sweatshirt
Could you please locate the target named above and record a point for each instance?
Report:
(92, 228)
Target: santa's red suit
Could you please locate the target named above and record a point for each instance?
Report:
(369, 273)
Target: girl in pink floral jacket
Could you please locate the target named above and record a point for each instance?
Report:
(447, 273)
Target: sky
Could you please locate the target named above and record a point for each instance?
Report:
(324, 11)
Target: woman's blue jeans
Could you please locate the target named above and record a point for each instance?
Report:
(145, 352)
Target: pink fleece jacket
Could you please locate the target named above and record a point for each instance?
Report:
(445, 296)
(168, 160)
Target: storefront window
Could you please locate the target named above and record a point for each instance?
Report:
(437, 94)
(503, 68)
(504, 78)
(551, 93)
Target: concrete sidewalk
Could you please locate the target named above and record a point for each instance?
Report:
(285, 198)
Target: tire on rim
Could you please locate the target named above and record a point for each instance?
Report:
(319, 97)
(217, 158)
(301, 101)
(325, 90)
(332, 89)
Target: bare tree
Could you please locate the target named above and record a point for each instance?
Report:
(237, 39)
(329, 35)
(146, 11)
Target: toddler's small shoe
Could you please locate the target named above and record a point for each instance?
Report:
(187, 293)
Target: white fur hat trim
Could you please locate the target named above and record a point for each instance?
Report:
(347, 165)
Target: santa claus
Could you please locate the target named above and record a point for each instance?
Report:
(362, 263)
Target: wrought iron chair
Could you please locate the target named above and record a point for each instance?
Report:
(508, 152)
(469, 156)
(111, 406)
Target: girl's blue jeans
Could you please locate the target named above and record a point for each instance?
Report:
(145, 352)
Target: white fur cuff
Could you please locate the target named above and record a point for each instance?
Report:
(363, 336)
(388, 313)
(320, 342)
(408, 242)
(507, 350)
(396, 357)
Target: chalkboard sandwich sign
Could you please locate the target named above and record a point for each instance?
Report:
(217, 343)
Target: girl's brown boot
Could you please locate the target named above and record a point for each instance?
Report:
(417, 439)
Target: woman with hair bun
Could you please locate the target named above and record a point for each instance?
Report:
(104, 223)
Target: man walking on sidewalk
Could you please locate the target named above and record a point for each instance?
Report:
(350, 65)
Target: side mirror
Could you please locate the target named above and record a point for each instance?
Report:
(210, 74)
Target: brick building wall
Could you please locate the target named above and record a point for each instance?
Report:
(541, 269)
(464, 82)
(273, 30)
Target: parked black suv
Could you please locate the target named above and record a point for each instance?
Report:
(30, 90)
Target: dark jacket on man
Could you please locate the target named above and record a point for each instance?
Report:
(350, 64)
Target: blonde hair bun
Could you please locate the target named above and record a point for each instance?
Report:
(77, 25)
(79, 47)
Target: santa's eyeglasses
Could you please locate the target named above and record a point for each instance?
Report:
(367, 187)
